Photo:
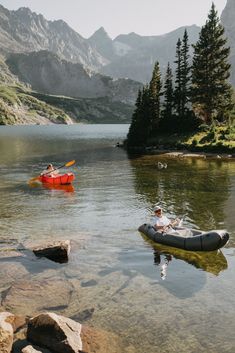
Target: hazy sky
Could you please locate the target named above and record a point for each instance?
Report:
(145, 17)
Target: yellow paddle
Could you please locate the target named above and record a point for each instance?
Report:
(62, 166)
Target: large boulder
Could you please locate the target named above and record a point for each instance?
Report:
(55, 332)
(56, 251)
(6, 332)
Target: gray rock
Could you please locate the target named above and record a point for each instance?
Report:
(57, 251)
(57, 333)
(6, 332)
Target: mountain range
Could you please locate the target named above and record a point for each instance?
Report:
(127, 56)
(227, 19)
(53, 59)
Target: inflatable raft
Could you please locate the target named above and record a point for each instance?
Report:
(59, 179)
(187, 239)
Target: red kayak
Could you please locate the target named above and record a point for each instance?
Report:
(59, 179)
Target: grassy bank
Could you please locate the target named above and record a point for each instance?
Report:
(216, 139)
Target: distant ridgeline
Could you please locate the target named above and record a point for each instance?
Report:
(53, 60)
(193, 108)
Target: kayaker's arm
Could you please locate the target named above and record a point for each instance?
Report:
(175, 222)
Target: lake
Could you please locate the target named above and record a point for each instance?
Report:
(157, 299)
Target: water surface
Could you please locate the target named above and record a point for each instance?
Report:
(158, 299)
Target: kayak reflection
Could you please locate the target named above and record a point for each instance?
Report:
(65, 188)
(212, 261)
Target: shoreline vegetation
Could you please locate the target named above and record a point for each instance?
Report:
(211, 142)
(193, 109)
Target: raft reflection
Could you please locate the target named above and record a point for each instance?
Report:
(65, 188)
(212, 261)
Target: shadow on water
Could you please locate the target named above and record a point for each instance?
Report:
(29, 261)
(169, 267)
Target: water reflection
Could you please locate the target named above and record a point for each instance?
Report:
(164, 269)
(162, 260)
(187, 284)
(66, 188)
(196, 187)
(212, 261)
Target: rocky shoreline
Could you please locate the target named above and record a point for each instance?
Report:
(48, 332)
(44, 331)
(176, 153)
(188, 154)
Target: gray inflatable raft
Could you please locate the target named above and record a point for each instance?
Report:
(187, 239)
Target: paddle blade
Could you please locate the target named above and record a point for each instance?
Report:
(70, 163)
(34, 179)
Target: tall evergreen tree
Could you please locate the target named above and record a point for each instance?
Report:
(182, 81)
(155, 93)
(211, 92)
(140, 124)
(168, 93)
(178, 78)
(185, 75)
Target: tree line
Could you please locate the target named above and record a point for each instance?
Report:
(199, 92)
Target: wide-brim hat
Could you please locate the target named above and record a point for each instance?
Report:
(156, 208)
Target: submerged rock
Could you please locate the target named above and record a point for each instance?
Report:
(34, 296)
(57, 251)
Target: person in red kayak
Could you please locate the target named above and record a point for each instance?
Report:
(50, 171)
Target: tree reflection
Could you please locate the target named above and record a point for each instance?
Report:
(196, 187)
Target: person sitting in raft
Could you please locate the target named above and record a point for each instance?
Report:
(161, 222)
(50, 171)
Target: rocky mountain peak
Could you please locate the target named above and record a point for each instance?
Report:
(24, 10)
(25, 31)
(102, 42)
(100, 34)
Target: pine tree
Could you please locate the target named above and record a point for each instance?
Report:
(139, 128)
(178, 79)
(182, 81)
(185, 76)
(155, 93)
(168, 93)
(211, 92)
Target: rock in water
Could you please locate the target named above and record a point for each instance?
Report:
(57, 251)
